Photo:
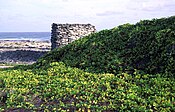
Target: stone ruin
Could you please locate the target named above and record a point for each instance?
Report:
(63, 34)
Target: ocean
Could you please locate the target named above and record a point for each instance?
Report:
(32, 36)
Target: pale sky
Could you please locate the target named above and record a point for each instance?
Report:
(38, 15)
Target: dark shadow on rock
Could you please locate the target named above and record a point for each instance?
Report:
(20, 56)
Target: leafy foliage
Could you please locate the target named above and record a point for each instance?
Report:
(148, 45)
(127, 68)
(56, 87)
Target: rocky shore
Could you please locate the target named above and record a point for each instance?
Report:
(22, 51)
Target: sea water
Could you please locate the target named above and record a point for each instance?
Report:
(32, 36)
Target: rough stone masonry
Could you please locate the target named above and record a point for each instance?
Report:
(63, 34)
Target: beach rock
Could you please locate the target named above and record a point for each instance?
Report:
(22, 52)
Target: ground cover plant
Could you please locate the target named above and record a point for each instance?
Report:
(127, 68)
(148, 45)
(61, 88)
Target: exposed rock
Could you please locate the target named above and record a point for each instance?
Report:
(22, 52)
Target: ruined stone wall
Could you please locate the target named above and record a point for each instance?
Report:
(63, 34)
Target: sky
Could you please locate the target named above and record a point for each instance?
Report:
(38, 15)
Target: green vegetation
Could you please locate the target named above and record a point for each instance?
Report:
(9, 64)
(127, 68)
(148, 46)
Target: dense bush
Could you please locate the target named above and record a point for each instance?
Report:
(148, 45)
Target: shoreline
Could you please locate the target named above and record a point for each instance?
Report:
(22, 51)
(24, 45)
